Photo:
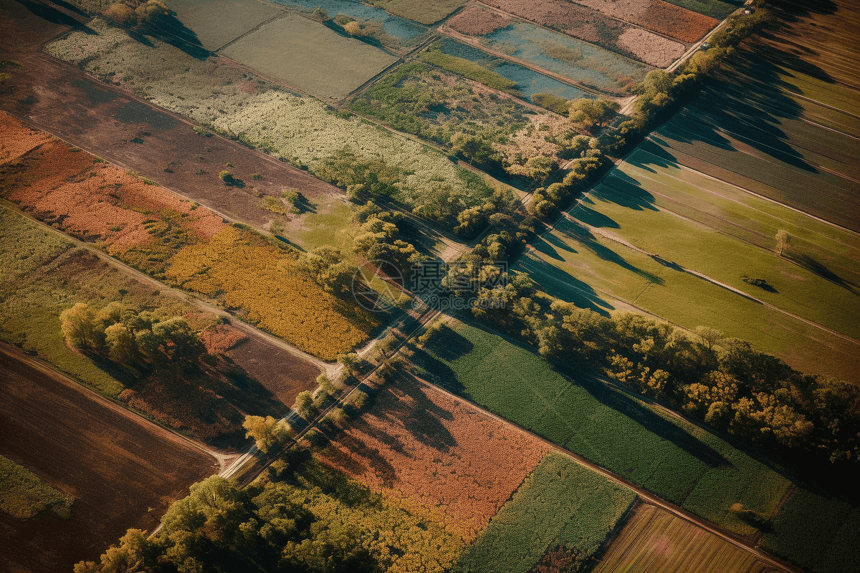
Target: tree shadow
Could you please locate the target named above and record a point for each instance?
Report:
(433, 370)
(54, 16)
(646, 417)
(813, 265)
(621, 189)
(564, 286)
(170, 30)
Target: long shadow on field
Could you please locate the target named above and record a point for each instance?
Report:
(623, 190)
(814, 265)
(562, 285)
(169, 29)
(54, 16)
(585, 237)
(647, 418)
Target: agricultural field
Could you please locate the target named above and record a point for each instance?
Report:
(418, 99)
(120, 470)
(171, 238)
(321, 62)
(657, 16)
(573, 60)
(216, 23)
(590, 26)
(299, 129)
(760, 126)
(526, 81)
(423, 11)
(377, 26)
(561, 507)
(674, 459)
(659, 541)
(435, 456)
(817, 532)
(47, 274)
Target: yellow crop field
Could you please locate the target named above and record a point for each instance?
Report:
(656, 541)
(248, 273)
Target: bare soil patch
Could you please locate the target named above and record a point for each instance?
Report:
(122, 471)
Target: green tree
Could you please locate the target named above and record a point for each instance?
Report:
(304, 404)
(121, 343)
(80, 328)
(586, 113)
(783, 242)
(267, 431)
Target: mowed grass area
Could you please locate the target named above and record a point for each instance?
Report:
(655, 540)
(23, 494)
(309, 56)
(817, 532)
(629, 205)
(670, 457)
(215, 23)
(562, 503)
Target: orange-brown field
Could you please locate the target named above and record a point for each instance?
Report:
(434, 454)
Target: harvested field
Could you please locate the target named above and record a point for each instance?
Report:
(423, 11)
(395, 33)
(667, 543)
(321, 62)
(581, 63)
(298, 129)
(526, 81)
(677, 461)
(433, 455)
(477, 22)
(122, 470)
(657, 16)
(817, 532)
(561, 504)
(588, 25)
(216, 23)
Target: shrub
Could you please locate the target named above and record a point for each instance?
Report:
(227, 178)
(552, 102)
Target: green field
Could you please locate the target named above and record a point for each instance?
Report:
(713, 8)
(321, 62)
(23, 494)
(672, 458)
(817, 532)
(562, 503)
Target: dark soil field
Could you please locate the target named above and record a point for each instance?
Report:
(106, 121)
(122, 470)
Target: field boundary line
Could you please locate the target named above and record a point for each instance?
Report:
(277, 15)
(759, 195)
(113, 404)
(641, 492)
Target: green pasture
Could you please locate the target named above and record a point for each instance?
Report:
(595, 272)
(670, 457)
(819, 533)
(629, 207)
(561, 503)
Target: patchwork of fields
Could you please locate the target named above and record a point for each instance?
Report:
(672, 458)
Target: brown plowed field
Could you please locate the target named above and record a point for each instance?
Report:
(436, 455)
(116, 465)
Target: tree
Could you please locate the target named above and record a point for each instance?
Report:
(266, 431)
(350, 362)
(121, 343)
(121, 14)
(783, 242)
(80, 329)
(111, 314)
(329, 269)
(586, 113)
(176, 340)
(473, 148)
(304, 404)
(227, 178)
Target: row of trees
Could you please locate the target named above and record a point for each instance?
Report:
(130, 337)
(721, 381)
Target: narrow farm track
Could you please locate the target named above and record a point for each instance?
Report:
(642, 493)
